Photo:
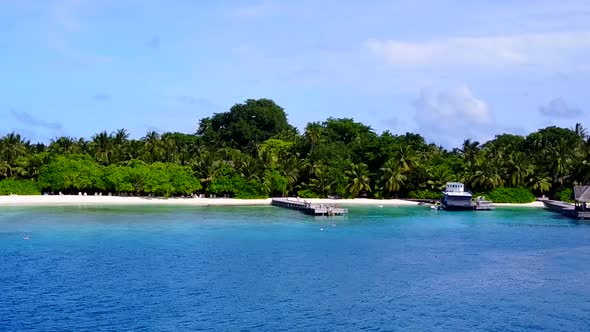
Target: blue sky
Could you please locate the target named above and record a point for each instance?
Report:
(449, 70)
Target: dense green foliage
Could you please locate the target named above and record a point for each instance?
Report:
(566, 195)
(252, 151)
(73, 173)
(18, 187)
(425, 194)
(510, 195)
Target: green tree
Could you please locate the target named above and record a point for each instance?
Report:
(393, 176)
(152, 146)
(321, 183)
(12, 147)
(438, 176)
(72, 173)
(245, 125)
(517, 169)
(485, 174)
(102, 148)
(358, 179)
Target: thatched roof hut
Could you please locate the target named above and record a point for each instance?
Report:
(582, 194)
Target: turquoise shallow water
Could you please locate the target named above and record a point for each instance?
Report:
(268, 269)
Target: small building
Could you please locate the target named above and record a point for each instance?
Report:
(581, 197)
(579, 210)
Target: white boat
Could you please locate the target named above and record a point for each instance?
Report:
(481, 203)
(456, 198)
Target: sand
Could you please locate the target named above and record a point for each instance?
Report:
(60, 200)
(535, 204)
(57, 200)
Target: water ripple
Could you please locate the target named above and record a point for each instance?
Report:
(249, 269)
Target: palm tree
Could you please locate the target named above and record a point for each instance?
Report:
(393, 176)
(63, 145)
(291, 168)
(247, 167)
(311, 166)
(407, 157)
(81, 146)
(581, 174)
(313, 133)
(438, 177)
(470, 150)
(120, 136)
(101, 146)
(206, 167)
(358, 179)
(267, 156)
(322, 182)
(540, 183)
(5, 169)
(152, 145)
(562, 156)
(12, 146)
(133, 149)
(580, 131)
(517, 169)
(30, 165)
(485, 174)
(169, 147)
(119, 141)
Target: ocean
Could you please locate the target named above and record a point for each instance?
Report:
(165, 268)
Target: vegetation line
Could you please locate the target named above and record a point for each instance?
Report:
(252, 151)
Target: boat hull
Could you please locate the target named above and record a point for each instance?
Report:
(456, 203)
(457, 208)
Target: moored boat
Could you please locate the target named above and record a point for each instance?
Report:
(456, 198)
(481, 203)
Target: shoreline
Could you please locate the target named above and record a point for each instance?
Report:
(72, 200)
(535, 204)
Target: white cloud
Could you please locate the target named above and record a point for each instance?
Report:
(548, 49)
(452, 115)
(558, 108)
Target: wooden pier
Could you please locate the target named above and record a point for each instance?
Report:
(579, 212)
(309, 208)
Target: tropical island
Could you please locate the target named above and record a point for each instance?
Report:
(252, 152)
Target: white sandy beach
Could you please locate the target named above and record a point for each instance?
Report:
(535, 204)
(57, 200)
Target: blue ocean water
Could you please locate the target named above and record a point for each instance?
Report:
(268, 269)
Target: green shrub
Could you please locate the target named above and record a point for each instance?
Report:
(424, 194)
(308, 193)
(275, 183)
(510, 195)
(565, 194)
(71, 173)
(231, 184)
(19, 187)
(251, 190)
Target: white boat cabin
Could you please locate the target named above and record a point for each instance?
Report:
(456, 198)
(456, 187)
